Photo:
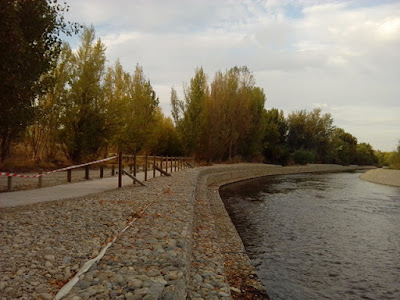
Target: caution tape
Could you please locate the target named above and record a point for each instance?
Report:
(21, 176)
(58, 170)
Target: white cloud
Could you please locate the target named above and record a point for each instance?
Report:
(389, 29)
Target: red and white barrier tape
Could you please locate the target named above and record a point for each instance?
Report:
(58, 170)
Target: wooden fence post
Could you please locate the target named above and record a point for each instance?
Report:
(154, 165)
(166, 164)
(145, 168)
(134, 165)
(101, 171)
(40, 178)
(86, 172)
(9, 183)
(120, 169)
(69, 175)
(172, 159)
(112, 170)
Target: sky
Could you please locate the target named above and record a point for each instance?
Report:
(340, 56)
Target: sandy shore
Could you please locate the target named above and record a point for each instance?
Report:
(383, 176)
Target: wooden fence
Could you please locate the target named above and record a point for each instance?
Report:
(163, 165)
(150, 165)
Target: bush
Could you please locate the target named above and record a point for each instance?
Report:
(303, 156)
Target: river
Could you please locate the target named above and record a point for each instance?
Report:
(320, 236)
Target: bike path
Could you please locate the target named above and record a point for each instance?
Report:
(64, 191)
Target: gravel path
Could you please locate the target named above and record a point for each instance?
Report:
(77, 175)
(163, 241)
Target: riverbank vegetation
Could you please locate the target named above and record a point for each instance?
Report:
(390, 159)
(76, 108)
(227, 121)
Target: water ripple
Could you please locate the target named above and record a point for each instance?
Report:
(320, 236)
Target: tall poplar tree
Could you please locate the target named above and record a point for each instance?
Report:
(83, 122)
(193, 121)
(42, 136)
(138, 115)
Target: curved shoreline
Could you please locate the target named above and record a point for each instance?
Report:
(240, 273)
(183, 247)
(382, 176)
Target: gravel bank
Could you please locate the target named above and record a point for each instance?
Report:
(383, 176)
(172, 240)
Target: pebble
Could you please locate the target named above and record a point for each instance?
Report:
(135, 283)
(46, 296)
(49, 257)
(48, 264)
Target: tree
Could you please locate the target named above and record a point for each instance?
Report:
(343, 147)
(83, 128)
(395, 158)
(215, 138)
(42, 136)
(138, 113)
(251, 143)
(365, 155)
(225, 122)
(164, 138)
(177, 107)
(274, 140)
(233, 114)
(116, 92)
(310, 131)
(29, 48)
(192, 125)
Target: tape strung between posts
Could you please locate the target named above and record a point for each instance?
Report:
(86, 266)
(58, 170)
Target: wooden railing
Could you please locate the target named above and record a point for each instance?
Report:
(163, 165)
(154, 164)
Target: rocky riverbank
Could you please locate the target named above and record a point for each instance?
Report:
(170, 240)
(383, 176)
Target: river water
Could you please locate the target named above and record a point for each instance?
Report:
(320, 236)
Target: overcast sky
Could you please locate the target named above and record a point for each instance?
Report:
(342, 56)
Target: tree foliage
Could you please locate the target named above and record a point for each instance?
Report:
(41, 137)
(310, 131)
(343, 147)
(90, 110)
(192, 123)
(74, 103)
(83, 128)
(137, 113)
(395, 159)
(310, 137)
(365, 155)
(275, 135)
(164, 137)
(389, 159)
(29, 48)
(223, 120)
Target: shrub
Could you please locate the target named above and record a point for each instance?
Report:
(303, 156)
